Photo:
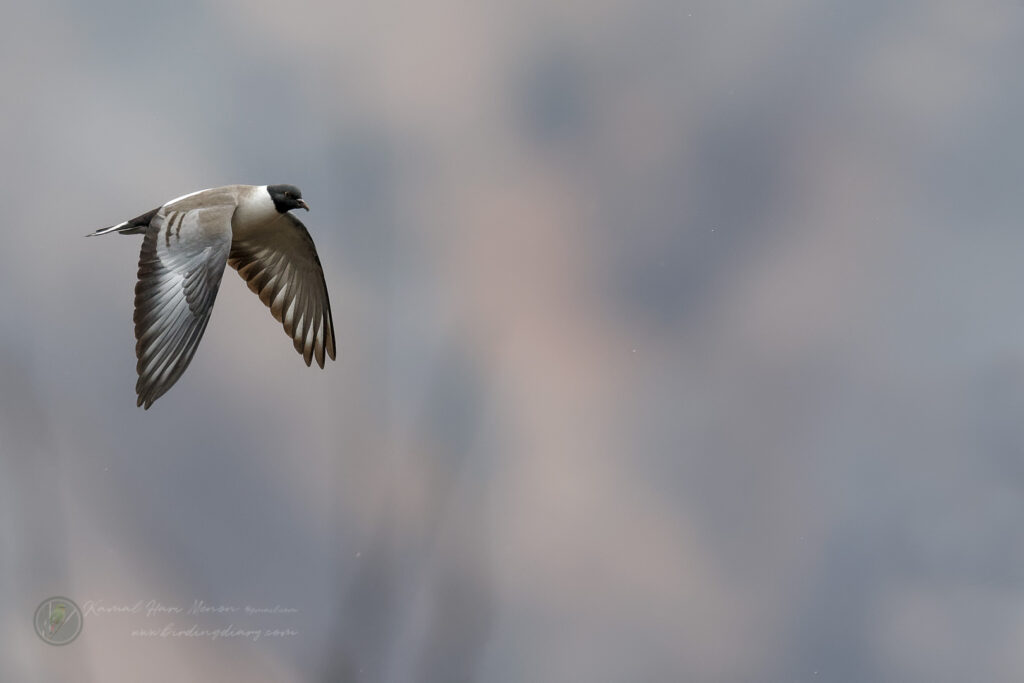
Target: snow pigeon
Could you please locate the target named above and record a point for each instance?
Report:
(186, 244)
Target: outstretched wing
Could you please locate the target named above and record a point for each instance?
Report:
(279, 263)
(180, 268)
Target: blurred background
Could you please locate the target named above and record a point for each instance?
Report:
(678, 341)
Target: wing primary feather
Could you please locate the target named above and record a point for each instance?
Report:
(282, 268)
(176, 289)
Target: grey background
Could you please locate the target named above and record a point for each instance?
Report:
(677, 341)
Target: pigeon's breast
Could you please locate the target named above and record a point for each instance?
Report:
(255, 211)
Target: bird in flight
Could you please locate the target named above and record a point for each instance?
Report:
(188, 241)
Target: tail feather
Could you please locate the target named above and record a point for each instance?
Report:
(112, 228)
(135, 226)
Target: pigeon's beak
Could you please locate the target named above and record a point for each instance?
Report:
(303, 204)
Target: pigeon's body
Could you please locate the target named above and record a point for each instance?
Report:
(187, 243)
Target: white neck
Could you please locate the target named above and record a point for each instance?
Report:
(255, 210)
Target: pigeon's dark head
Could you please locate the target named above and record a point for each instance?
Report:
(286, 198)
